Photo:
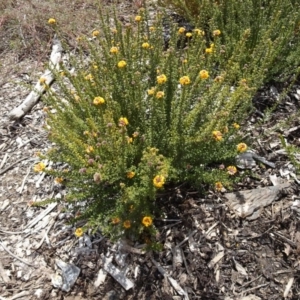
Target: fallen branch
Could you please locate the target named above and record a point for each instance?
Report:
(40, 88)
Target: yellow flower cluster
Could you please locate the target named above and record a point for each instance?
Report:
(199, 32)
(161, 79)
(123, 121)
(217, 135)
(160, 94)
(95, 33)
(98, 101)
(145, 45)
(115, 220)
(51, 21)
(130, 174)
(78, 232)
(147, 221)
(114, 50)
(40, 167)
(127, 224)
(203, 74)
(241, 147)
(122, 64)
(236, 125)
(231, 170)
(218, 186)
(216, 32)
(89, 149)
(181, 30)
(159, 181)
(184, 80)
(42, 80)
(151, 91)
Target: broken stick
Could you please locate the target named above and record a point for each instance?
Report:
(39, 88)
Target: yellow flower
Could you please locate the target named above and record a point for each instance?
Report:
(243, 81)
(159, 181)
(216, 32)
(123, 121)
(89, 77)
(51, 21)
(203, 74)
(151, 91)
(146, 45)
(185, 80)
(95, 67)
(127, 224)
(209, 50)
(78, 232)
(151, 28)
(181, 30)
(184, 61)
(188, 35)
(129, 140)
(138, 18)
(89, 149)
(217, 135)
(40, 167)
(115, 220)
(122, 64)
(42, 80)
(59, 180)
(147, 221)
(98, 101)
(161, 79)
(199, 32)
(218, 186)
(114, 50)
(159, 94)
(130, 174)
(236, 125)
(241, 147)
(231, 170)
(95, 33)
(219, 78)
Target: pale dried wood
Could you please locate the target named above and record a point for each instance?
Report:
(13, 164)
(249, 203)
(3, 275)
(16, 257)
(117, 274)
(39, 88)
(288, 287)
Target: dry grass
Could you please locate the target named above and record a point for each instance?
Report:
(24, 29)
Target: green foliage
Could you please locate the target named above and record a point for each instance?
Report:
(137, 115)
(293, 153)
(273, 29)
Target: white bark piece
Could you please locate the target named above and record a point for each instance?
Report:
(42, 215)
(249, 203)
(288, 287)
(39, 89)
(117, 274)
(100, 278)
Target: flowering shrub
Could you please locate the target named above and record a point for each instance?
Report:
(272, 29)
(135, 119)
